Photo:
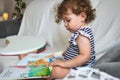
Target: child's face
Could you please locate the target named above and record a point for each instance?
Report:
(73, 22)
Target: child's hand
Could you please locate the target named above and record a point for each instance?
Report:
(58, 63)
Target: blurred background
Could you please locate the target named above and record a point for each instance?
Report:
(7, 6)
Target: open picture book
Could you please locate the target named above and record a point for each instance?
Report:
(31, 66)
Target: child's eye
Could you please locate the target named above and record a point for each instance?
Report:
(67, 20)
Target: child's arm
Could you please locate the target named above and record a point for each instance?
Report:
(83, 57)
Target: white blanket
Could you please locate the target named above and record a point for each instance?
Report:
(39, 20)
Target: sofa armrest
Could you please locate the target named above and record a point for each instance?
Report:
(113, 55)
(112, 68)
(110, 62)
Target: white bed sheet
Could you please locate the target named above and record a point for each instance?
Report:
(39, 20)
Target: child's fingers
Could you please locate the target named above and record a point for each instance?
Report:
(54, 63)
(51, 64)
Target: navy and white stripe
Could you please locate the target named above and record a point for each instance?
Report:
(73, 50)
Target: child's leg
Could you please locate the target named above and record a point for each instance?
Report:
(58, 72)
(23, 55)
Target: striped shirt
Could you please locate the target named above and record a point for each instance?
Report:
(73, 50)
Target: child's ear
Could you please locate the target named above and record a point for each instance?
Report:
(83, 16)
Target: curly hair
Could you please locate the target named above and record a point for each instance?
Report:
(77, 6)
